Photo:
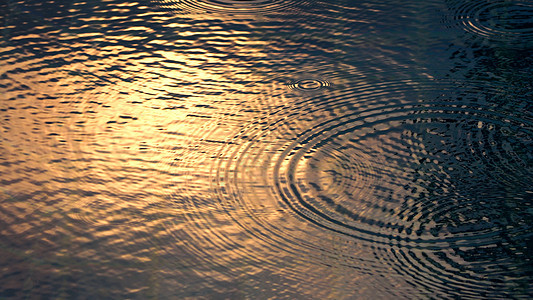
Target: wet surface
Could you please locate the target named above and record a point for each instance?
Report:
(253, 149)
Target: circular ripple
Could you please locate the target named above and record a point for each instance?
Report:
(308, 84)
(406, 169)
(396, 135)
(229, 6)
(497, 20)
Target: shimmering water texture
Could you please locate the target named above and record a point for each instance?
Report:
(263, 149)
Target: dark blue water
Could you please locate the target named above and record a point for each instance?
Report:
(257, 149)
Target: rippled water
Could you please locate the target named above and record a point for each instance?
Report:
(233, 149)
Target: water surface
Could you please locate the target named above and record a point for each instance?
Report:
(225, 149)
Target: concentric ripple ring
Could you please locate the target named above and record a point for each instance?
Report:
(229, 6)
(496, 20)
(408, 170)
(385, 144)
(308, 84)
(341, 218)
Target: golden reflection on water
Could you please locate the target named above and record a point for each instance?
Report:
(128, 167)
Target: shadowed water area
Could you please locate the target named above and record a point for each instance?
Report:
(255, 149)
